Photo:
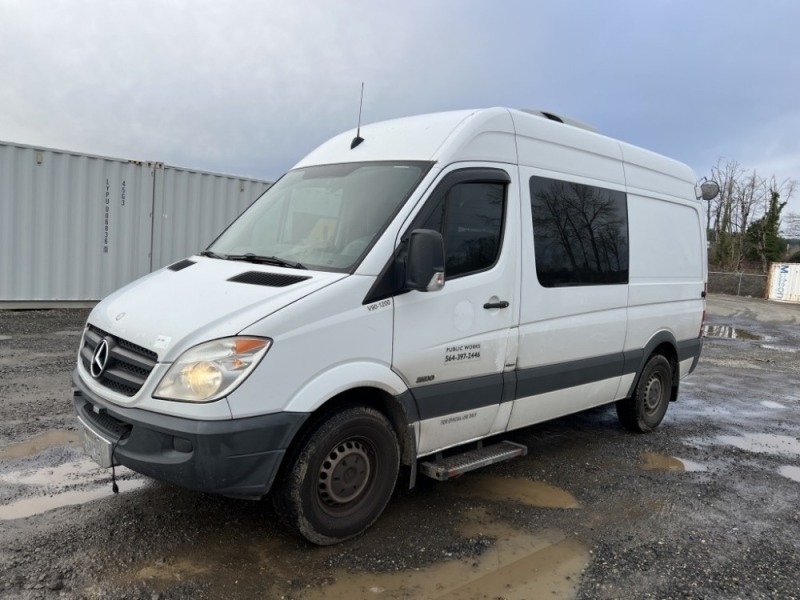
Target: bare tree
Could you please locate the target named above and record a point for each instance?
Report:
(745, 199)
(791, 225)
(721, 212)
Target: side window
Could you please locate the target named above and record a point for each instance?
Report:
(470, 219)
(580, 233)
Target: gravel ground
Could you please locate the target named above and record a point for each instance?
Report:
(707, 506)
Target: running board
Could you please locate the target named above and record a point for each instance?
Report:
(453, 466)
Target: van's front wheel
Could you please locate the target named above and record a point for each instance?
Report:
(339, 482)
(646, 408)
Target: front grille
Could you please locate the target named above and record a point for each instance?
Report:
(128, 365)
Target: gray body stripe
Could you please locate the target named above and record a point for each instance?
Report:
(458, 396)
(550, 378)
(468, 394)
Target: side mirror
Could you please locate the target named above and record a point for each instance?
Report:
(709, 190)
(425, 261)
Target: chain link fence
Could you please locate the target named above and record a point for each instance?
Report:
(737, 284)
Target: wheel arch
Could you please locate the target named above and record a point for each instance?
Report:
(665, 344)
(401, 411)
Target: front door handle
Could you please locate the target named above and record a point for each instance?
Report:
(491, 305)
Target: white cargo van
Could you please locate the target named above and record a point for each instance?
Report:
(402, 294)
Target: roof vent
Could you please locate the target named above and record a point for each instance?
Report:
(559, 119)
(267, 279)
(181, 264)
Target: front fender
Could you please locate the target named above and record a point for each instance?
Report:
(342, 378)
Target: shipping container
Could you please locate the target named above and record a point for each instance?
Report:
(74, 227)
(783, 283)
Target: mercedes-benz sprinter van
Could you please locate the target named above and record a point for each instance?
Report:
(401, 294)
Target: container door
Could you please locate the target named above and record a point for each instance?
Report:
(451, 346)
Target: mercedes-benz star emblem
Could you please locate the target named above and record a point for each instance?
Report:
(99, 359)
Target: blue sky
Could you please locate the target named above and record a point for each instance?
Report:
(249, 87)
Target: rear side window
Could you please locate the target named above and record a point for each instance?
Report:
(580, 233)
(470, 219)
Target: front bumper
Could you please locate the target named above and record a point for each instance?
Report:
(237, 457)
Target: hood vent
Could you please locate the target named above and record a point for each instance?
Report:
(267, 279)
(181, 264)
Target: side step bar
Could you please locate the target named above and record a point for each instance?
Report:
(453, 466)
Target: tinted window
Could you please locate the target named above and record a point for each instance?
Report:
(470, 218)
(580, 233)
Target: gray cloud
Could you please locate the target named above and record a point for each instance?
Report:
(249, 87)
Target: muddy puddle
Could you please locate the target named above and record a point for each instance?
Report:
(513, 565)
(763, 443)
(652, 461)
(68, 484)
(517, 565)
(51, 471)
(729, 332)
(532, 493)
(43, 441)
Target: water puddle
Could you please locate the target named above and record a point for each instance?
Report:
(652, 461)
(516, 566)
(55, 486)
(693, 467)
(532, 493)
(763, 443)
(180, 570)
(729, 332)
(43, 441)
(791, 472)
(39, 504)
(771, 404)
(780, 348)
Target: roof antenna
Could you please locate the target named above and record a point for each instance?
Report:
(358, 139)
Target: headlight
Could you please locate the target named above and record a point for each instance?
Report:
(212, 370)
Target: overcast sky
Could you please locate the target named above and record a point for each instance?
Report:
(249, 87)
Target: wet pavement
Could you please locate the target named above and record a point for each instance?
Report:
(707, 506)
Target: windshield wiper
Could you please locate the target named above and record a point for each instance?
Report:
(265, 260)
(211, 254)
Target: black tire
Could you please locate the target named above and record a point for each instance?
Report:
(339, 481)
(646, 408)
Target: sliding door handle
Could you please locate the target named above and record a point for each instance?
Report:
(491, 305)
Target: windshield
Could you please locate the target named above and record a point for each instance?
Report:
(323, 217)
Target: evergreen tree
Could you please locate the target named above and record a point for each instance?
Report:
(763, 237)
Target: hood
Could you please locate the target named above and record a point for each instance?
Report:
(171, 310)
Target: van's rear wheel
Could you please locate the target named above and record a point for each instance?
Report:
(646, 408)
(340, 480)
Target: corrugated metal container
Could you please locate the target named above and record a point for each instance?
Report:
(75, 227)
(192, 211)
(783, 283)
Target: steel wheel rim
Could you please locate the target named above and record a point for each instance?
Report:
(345, 473)
(653, 393)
